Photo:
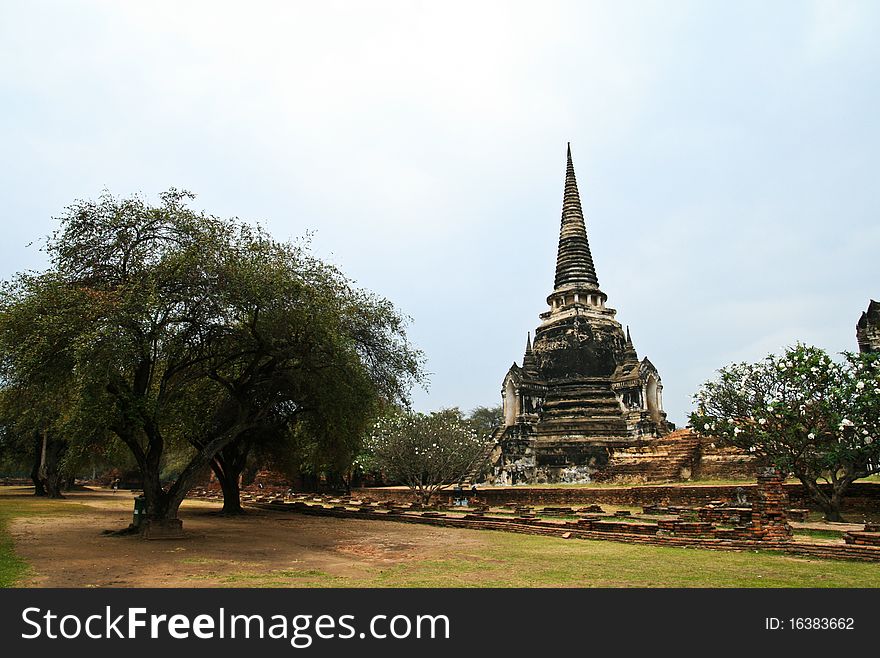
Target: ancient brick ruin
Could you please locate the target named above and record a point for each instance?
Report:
(706, 527)
(868, 328)
(582, 392)
(769, 519)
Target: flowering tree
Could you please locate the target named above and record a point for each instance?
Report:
(427, 452)
(803, 412)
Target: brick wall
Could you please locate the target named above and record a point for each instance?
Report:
(862, 495)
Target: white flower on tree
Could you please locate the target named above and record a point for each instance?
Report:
(811, 418)
(427, 452)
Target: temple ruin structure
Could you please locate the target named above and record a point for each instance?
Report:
(582, 393)
(868, 328)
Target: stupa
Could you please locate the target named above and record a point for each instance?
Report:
(582, 392)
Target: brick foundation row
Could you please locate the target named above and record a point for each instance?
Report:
(582, 529)
(862, 496)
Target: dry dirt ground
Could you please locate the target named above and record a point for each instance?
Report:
(259, 548)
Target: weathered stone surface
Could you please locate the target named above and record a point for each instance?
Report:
(583, 406)
(769, 510)
(863, 497)
(582, 391)
(868, 328)
(862, 538)
(164, 529)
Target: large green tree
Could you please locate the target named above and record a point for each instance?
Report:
(189, 331)
(803, 412)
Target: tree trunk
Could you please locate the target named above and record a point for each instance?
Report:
(833, 515)
(228, 476)
(49, 472)
(157, 502)
(39, 489)
(228, 465)
(838, 491)
(830, 505)
(160, 508)
(53, 488)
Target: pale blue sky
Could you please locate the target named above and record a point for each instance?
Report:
(727, 156)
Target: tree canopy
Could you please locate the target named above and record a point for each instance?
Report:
(486, 419)
(426, 452)
(803, 412)
(162, 327)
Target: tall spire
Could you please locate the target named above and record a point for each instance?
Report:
(629, 349)
(574, 262)
(529, 360)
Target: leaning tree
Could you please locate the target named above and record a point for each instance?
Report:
(187, 332)
(803, 412)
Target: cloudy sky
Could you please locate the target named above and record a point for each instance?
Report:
(727, 155)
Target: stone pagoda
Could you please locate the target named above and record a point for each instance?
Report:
(582, 392)
(868, 328)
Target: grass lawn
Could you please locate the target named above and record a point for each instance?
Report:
(289, 550)
(526, 561)
(12, 567)
(819, 534)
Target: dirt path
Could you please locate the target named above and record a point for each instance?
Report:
(260, 548)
